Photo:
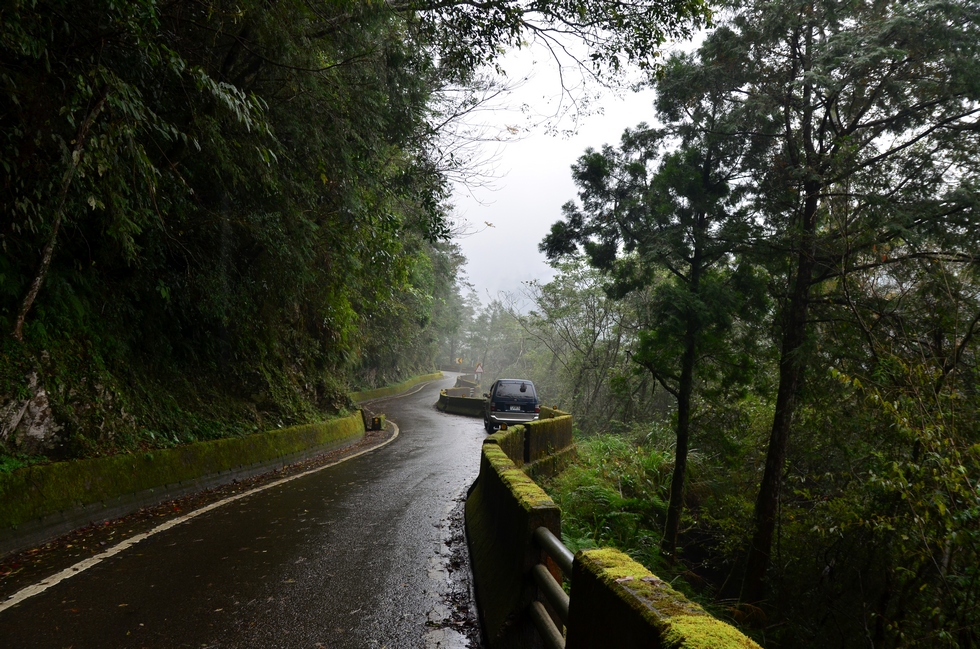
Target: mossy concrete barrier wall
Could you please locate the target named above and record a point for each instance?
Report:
(40, 502)
(616, 602)
(551, 465)
(511, 442)
(502, 511)
(469, 406)
(545, 437)
(377, 393)
(541, 448)
(550, 412)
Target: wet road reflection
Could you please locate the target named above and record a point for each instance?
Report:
(355, 555)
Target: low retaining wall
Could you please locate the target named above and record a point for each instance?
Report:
(502, 511)
(541, 448)
(511, 442)
(616, 602)
(545, 446)
(550, 412)
(545, 437)
(551, 465)
(459, 405)
(377, 393)
(467, 381)
(41, 502)
(38, 503)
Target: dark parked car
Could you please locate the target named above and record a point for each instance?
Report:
(510, 401)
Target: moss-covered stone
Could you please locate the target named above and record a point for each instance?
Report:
(544, 437)
(511, 441)
(552, 464)
(550, 412)
(618, 602)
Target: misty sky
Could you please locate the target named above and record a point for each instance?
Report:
(534, 181)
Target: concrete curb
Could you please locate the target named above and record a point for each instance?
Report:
(41, 502)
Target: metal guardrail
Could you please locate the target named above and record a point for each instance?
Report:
(555, 549)
(550, 589)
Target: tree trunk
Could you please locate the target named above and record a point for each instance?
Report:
(675, 507)
(791, 367)
(791, 361)
(48, 251)
(685, 388)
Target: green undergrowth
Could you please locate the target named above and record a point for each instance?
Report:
(614, 494)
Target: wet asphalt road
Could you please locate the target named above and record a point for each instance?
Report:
(353, 556)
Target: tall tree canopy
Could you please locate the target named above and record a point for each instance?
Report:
(248, 199)
(847, 135)
(860, 120)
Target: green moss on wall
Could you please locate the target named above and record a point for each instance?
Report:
(547, 436)
(552, 464)
(527, 491)
(511, 441)
(35, 492)
(704, 632)
(377, 393)
(551, 412)
(679, 622)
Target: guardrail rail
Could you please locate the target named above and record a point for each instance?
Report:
(550, 589)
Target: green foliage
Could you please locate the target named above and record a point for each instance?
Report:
(615, 33)
(846, 131)
(578, 337)
(215, 214)
(231, 215)
(12, 461)
(614, 495)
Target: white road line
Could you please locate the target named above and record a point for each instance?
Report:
(85, 564)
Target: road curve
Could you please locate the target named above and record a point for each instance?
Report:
(356, 555)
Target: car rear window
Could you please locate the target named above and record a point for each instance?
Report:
(514, 390)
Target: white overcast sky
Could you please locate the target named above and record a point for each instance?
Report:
(533, 178)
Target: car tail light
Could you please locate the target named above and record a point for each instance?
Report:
(537, 408)
(493, 407)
